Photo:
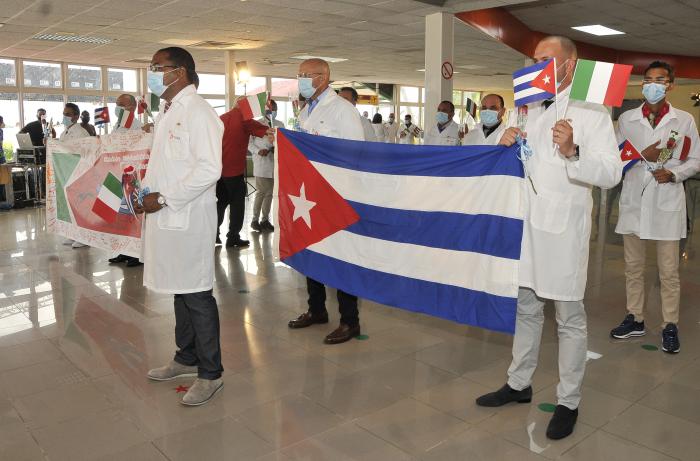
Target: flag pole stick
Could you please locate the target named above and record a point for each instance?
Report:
(556, 91)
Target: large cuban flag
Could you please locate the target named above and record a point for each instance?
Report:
(430, 229)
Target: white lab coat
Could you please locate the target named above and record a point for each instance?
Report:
(369, 131)
(334, 117)
(659, 212)
(447, 137)
(476, 136)
(135, 125)
(185, 164)
(391, 131)
(412, 132)
(75, 131)
(379, 132)
(263, 166)
(557, 227)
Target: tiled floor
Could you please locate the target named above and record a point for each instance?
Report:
(77, 336)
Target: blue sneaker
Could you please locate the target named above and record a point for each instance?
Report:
(670, 342)
(628, 328)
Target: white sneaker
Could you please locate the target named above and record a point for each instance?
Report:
(78, 245)
(68, 242)
(202, 391)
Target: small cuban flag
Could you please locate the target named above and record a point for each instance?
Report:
(534, 83)
(101, 116)
(109, 199)
(253, 106)
(629, 156)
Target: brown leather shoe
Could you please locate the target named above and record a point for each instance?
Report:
(307, 319)
(342, 334)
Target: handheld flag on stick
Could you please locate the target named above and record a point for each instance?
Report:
(253, 106)
(534, 83)
(629, 156)
(600, 82)
(125, 119)
(101, 116)
(471, 107)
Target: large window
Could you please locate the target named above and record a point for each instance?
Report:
(212, 84)
(254, 85)
(409, 94)
(284, 88)
(42, 74)
(8, 73)
(52, 103)
(84, 78)
(9, 110)
(219, 105)
(125, 80)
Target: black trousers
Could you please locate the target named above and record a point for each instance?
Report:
(197, 333)
(231, 191)
(347, 303)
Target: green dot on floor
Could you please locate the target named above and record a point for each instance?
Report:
(362, 337)
(547, 407)
(244, 291)
(650, 347)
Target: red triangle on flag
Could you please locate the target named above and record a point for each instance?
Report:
(628, 152)
(309, 208)
(545, 79)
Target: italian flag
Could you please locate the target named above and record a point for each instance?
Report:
(126, 118)
(253, 106)
(109, 199)
(600, 82)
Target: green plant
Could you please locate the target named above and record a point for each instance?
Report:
(8, 150)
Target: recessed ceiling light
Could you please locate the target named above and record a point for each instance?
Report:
(472, 66)
(423, 70)
(73, 38)
(597, 29)
(304, 57)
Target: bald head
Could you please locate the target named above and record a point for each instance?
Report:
(127, 101)
(563, 50)
(318, 71)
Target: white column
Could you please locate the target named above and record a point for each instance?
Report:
(439, 48)
(230, 69)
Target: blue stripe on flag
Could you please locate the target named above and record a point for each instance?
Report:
(629, 165)
(530, 69)
(533, 98)
(526, 86)
(445, 301)
(485, 234)
(399, 159)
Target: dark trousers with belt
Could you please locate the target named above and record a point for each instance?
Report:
(347, 303)
(231, 191)
(197, 333)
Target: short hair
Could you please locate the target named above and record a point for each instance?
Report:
(409, 116)
(195, 80)
(272, 101)
(73, 107)
(500, 98)
(182, 58)
(352, 91)
(377, 118)
(85, 112)
(452, 106)
(661, 65)
(41, 109)
(566, 44)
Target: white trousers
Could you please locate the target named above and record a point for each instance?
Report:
(573, 344)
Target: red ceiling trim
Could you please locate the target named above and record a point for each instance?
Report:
(509, 30)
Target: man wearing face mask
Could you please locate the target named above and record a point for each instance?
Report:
(409, 131)
(327, 114)
(85, 123)
(491, 127)
(350, 94)
(572, 151)
(38, 128)
(180, 221)
(445, 132)
(652, 204)
(391, 129)
(263, 152)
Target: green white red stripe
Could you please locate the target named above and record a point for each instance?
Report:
(253, 106)
(126, 118)
(109, 199)
(600, 82)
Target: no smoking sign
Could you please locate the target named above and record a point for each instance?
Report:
(447, 70)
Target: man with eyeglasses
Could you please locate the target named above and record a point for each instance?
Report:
(652, 202)
(180, 221)
(327, 114)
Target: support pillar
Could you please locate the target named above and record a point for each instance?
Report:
(439, 48)
(230, 68)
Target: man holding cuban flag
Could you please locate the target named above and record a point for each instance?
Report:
(569, 155)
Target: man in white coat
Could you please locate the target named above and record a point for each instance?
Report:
(391, 129)
(491, 127)
(573, 150)
(180, 221)
(327, 114)
(445, 131)
(409, 131)
(350, 95)
(652, 204)
(263, 153)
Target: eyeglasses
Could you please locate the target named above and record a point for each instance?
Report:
(157, 68)
(662, 80)
(309, 75)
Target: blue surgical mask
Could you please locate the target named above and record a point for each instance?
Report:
(155, 82)
(272, 114)
(654, 92)
(442, 118)
(489, 117)
(306, 86)
(67, 121)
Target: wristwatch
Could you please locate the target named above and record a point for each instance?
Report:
(161, 200)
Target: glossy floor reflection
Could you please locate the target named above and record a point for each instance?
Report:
(77, 336)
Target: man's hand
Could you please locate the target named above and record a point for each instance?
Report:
(563, 136)
(461, 133)
(263, 152)
(147, 127)
(510, 135)
(663, 175)
(271, 135)
(150, 203)
(652, 152)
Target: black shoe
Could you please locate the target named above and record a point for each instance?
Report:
(218, 241)
(628, 328)
(118, 259)
(562, 423)
(133, 262)
(670, 342)
(240, 243)
(307, 319)
(256, 226)
(342, 334)
(266, 226)
(504, 395)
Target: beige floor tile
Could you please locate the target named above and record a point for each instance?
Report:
(17, 444)
(659, 431)
(412, 425)
(596, 409)
(601, 445)
(40, 377)
(462, 356)
(406, 376)
(222, 439)
(141, 452)
(495, 374)
(478, 445)
(458, 398)
(358, 354)
(675, 399)
(8, 413)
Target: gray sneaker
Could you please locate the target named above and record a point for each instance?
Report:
(171, 371)
(202, 391)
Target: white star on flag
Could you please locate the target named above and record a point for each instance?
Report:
(302, 206)
(628, 153)
(546, 79)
